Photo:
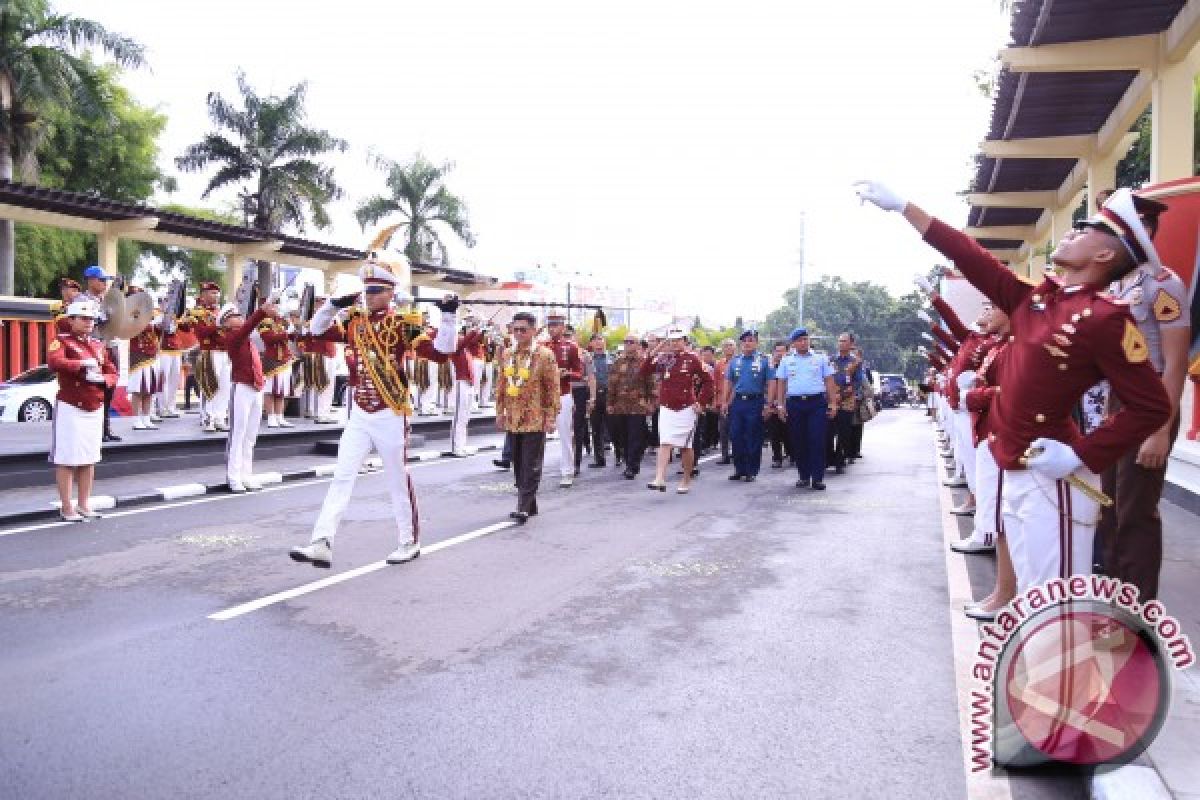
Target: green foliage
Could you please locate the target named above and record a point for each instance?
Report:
(417, 194)
(886, 327)
(44, 254)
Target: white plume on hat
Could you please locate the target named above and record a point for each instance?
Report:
(83, 308)
(227, 310)
(392, 268)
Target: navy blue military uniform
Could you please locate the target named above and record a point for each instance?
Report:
(804, 377)
(749, 378)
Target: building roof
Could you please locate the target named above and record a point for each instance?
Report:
(1056, 21)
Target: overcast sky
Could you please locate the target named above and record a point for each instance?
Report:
(646, 142)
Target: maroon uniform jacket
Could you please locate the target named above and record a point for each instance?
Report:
(1066, 339)
(979, 400)
(245, 365)
(203, 323)
(391, 327)
(566, 353)
(680, 374)
(64, 355)
(464, 370)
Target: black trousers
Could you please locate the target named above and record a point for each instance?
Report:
(723, 435)
(580, 416)
(838, 444)
(777, 433)
(854, 441)
(528, 453)
(599, 423)
(711, 428)
(629, 434)
(653, 440)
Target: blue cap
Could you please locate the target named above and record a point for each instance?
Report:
(96, 272)
(749, 333)
(797, 333)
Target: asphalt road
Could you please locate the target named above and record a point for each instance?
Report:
(747, 640)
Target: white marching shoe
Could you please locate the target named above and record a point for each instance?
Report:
(405, 552)
(319, 553)
(969, 546)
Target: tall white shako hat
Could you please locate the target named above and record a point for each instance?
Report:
(1133, 220)
(83, 308)
(395, 272)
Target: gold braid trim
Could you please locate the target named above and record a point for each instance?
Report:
(376, 360)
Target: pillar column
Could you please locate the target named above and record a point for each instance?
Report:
(1173, 121)
(106, 252)
(233, 274)
(1102, 174)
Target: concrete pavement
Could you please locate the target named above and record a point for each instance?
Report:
(747, 640)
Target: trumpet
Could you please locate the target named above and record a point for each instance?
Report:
(1077, 482)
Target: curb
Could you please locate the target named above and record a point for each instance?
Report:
(1130, 782)
(166, 494)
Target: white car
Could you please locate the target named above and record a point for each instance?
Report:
(29, 397)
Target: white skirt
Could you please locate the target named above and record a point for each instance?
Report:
(676, 428)
(75, 435)
(278, 385)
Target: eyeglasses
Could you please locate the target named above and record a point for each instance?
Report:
(522, 329)
(631, 341)
(376, 289)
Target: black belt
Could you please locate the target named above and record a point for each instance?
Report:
(806, 396)
(749, 396)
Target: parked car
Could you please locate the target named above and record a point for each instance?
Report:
(893, 390)
(29, 396)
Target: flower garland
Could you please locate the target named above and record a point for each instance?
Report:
(516, 374)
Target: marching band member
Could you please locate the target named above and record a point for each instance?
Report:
(679, 404)
(143, 372)
(476, 353)
(96, 283)
(245, 392)
(84, 370)
(68, 290)
(1067, 336)
(320, 357)
(376, 337)
(570, 369)
(464, 365)
(487, 382)
(277, 370)
(170, 361)
(212, 364)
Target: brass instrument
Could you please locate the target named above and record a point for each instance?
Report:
(125, 316)
(308, 302)
(247, 295)
(1077, 482)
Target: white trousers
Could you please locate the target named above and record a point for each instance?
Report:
(324, 398)
(170, 364)
(988, 486)
(245, 417)
(430, 401)
(387, 433)
(1050, 526)
(219, 405)
(462, 414)
(477, 382)
(964, 449)
(566, 435)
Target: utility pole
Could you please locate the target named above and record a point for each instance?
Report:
(800, 289)
(628, 309)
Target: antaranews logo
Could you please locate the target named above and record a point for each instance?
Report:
(1075, 671)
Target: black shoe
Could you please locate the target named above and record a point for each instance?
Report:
(576, 470)
(519, 516)
(618, 461)
(820, 487)
(662, 487)
(749, 478)
(802, 483)
(839, 470)
(597, 465)
(725, 461)
(735, 477)
(501, 463)
(629, 474)
(111, 437)
(776, 465)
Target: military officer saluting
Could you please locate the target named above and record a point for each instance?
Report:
(748, 377)
(1067, 336)
(804, 387)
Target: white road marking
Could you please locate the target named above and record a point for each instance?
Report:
(964, 634)
(342, 577)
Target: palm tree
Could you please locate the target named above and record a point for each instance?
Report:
(266, 148)
(419, 195)
(43, 65)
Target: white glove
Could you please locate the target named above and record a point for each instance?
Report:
(966, 380)
(1057, 460)
(88, 363)
(925, 335)
(923, 314)
(923, 284)
(94, 376)
(880, 195)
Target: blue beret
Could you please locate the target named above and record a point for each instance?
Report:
(797, 333)
(748, 334)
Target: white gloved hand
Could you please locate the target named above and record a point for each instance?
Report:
(923, 284)
(1057, 460)
(966, 380)
(88, 363)
(926, 336)
(94, 376)
(875, 192)
(923, 314)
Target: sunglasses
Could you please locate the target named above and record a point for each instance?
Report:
(631, 341)
(376, 289)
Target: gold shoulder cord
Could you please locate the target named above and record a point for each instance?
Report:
(383, 373)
